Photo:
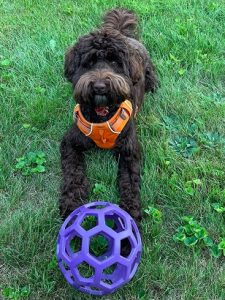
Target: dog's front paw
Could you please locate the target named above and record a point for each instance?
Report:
(137, 216)
(67, 206)
(135, 213)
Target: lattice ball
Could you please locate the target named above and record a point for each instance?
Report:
(98, 248)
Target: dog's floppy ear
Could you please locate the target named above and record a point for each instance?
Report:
(135, 66)
(71, 63)
(136, 71)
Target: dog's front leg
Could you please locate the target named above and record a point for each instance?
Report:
(75, 185)
(129, 174)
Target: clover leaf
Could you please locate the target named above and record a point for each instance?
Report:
(221, 246)
(31, 162)
(219, 208)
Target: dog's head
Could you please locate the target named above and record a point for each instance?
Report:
(102, 71)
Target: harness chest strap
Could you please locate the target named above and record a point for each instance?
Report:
(104, 134)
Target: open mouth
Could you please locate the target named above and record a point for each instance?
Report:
(102, 111)
(101, 107)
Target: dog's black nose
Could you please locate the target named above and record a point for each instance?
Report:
(99, 87)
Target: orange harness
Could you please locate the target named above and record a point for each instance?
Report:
(104, 134)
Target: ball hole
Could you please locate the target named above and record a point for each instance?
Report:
(110, 269)
(107, 281)
(135, 264)
(89, 222)
(66, 267)
(75, 244)
(111, 223)
(93, 288)
(134, 231)
(115, 222)
(98, 245)
(98, 206)
(125, 247)
(86, 270)
(70, 222)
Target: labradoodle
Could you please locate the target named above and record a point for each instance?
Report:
(106, 67)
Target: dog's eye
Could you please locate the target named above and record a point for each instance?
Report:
(87, 64)
(114, 63)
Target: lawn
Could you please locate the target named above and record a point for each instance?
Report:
(181, 129)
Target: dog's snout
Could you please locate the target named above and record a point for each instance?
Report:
(99, 87)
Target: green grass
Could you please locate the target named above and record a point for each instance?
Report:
(181, 129)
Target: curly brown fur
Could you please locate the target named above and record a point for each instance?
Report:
(106, 67)
(122, 20)
(117, 84)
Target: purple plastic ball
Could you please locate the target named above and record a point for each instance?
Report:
(98, 248)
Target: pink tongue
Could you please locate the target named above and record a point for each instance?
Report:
(102, 111)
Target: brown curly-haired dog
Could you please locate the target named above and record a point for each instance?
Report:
(106, 67)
